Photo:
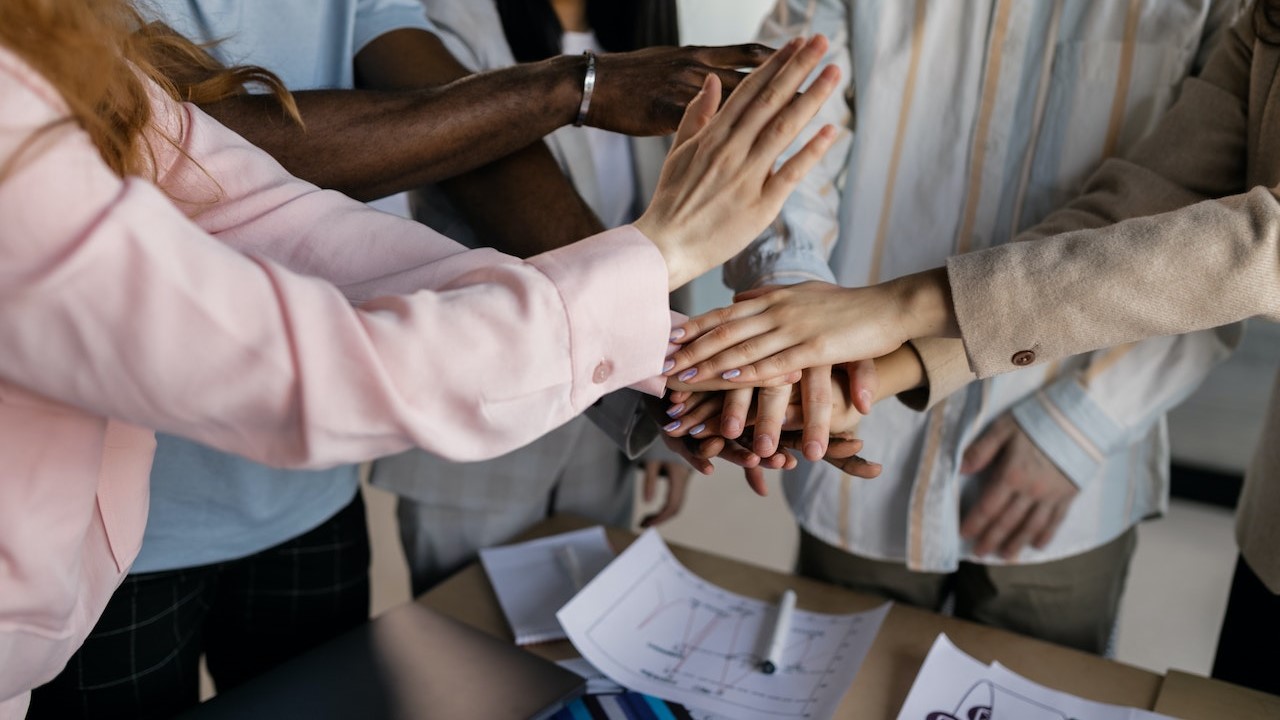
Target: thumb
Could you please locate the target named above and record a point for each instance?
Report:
(700, 110)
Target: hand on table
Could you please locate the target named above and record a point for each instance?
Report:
(677, 477)
(1025, 498)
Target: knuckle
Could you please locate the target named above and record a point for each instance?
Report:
(783, 129)
(767, 97)
(721, 333)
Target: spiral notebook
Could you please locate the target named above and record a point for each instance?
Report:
(534, 579)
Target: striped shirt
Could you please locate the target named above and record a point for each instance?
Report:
(968, 121)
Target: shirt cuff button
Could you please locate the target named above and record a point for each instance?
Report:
(602, 372)
(1023, 358)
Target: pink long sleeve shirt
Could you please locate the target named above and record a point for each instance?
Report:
(260, 315)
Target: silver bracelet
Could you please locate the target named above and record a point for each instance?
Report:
(588, 87)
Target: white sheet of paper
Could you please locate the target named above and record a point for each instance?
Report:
(532, 582)
(951, 685)
(655, 627)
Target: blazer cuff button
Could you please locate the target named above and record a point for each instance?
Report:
(1023, 358)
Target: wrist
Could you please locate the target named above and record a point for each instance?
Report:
(899, 371)
(924, 307)
(680, 270)
(564, 77)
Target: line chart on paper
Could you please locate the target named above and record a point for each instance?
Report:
(654, 626)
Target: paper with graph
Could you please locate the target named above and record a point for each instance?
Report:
(951, 685)
(653, 626)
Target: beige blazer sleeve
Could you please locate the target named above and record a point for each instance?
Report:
(1179, 263)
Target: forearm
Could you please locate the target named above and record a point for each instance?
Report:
(522, 204)
(370, 144)
(899, 371)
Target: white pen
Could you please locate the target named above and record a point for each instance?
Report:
(781, 628)
(569, 559)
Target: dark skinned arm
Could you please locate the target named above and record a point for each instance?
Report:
(372, 143)
(522, 203)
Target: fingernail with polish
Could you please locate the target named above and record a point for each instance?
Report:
(666, 366)
(697, 429)
(677, 334)
(730, 374)
(672, 426)
(675, 410)
(687, 375)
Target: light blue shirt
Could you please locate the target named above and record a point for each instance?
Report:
(207, 506)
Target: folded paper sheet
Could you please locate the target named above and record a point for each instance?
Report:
(951, 685)
(534, 579)
(653, 626)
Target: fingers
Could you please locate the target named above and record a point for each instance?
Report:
(733, 415)
(712, 385)
(693, 417)
(649, 485)
(757, 82)
(726, 350)
(785, 179)
(755, 481)
(864, 383)
(695, 327)
(1050, 529)
(995, 497)
(1004, 523)
(986, 448)
(785, 126)
(771, 410)
(734, 452)
(700, 110)
(842, 454)
(755, 292)
(734, 56)
(682, 449)
(751, 110)
(1035, 522)
(815, 394)
(677, 485)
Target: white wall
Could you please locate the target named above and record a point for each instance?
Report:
(718, 22)
(721, 22)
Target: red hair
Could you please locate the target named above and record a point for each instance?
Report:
(99, 54)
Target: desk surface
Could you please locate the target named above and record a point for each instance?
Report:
(890, 668)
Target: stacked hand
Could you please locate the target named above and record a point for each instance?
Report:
(769, 335)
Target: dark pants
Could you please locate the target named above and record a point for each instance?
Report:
(1073, 601)
(1247, 646)
(246, 616)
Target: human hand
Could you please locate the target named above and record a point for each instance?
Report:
(645, 92)
(1025, 498)
(719, 188)
(705, 416)
(772, 332)
(677, 477)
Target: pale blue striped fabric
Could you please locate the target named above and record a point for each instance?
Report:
(968, 121)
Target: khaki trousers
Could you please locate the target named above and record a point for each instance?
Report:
(1072, 602)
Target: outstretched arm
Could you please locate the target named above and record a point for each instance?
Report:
(440, 122)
